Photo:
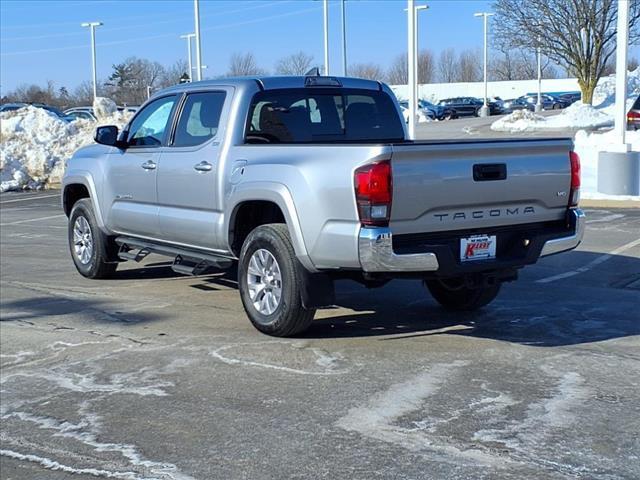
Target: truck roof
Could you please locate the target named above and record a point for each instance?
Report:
(275, 82)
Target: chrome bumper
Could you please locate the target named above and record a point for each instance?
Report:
(557, 245)
(375, 248)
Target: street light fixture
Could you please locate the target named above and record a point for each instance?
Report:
(484, 111)
(92, 26)
(188, 37)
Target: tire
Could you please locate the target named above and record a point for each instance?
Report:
(273, 306)
(90, 256)
(454, 295)
(556, 106)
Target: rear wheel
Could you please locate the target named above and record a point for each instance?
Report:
(269, 282)
(88, 245)
(454, 294)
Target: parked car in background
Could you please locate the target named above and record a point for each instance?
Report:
(633, 117)
(129, 108)
(469, 106)
(84, 113)
(9, 107)
(513, 104)
(570, 97)
(549, 102)
(437, 112)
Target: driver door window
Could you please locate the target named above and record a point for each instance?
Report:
(149, 127)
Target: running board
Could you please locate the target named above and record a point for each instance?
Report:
(186, 261)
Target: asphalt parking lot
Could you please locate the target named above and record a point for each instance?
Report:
(153, 375)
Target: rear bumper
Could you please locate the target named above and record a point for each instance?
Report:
(377, 255)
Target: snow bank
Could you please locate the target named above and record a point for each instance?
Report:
(587, 146)
(35, 143)
(578, 115)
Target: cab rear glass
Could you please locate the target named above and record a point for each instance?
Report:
(322, 115)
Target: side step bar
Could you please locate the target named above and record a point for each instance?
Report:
(186, 261)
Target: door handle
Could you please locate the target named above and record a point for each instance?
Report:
(149, 165)
(203, 167)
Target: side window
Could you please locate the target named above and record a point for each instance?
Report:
(148, 127)
(199, 119)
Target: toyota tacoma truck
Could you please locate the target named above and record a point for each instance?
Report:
(306, 180)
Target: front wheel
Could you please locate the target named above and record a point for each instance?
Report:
(454, 294)
(269, 281)
(87, 243)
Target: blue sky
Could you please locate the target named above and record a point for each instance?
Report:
(43, 40)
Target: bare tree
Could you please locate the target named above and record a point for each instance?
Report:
(371, 71)
(243, 64)
(173, 74)
(397, 73)
(518, 64)
(294, 64)
(426, 67)
(469, 66)
(579, 35)
(448, 66)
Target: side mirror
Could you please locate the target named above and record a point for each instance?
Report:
(107, 135)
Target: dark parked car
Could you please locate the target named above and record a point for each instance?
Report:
(437, 112)
(514, 104)
(9, 107)
(469, 106)
(549, 102)
(633, 117)
(84, 113)
(570, 97)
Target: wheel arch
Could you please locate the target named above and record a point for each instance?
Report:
(277, 206)
(79, 186)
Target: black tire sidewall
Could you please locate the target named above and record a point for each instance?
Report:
(94, 268)
(264, 237)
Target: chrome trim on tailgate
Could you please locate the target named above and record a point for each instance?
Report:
(375, 249)
(562, 244)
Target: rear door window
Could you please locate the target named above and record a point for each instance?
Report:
(323, 116)
(200, 119)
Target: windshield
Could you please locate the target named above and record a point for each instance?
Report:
(323, 115)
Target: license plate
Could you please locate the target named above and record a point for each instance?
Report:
(477, 247)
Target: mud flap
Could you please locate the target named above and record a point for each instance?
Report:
(317, 289)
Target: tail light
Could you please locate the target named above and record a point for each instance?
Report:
(631, 116)
(373, 185)
(574, 196)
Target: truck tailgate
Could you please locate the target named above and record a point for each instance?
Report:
(440, 186)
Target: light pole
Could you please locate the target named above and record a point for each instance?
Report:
(620, 117)
(411, 62)
(538, 107)
(484, 110)
(189, 36)
(325, 14)
(344, 40)
(92, 26)
(196, 12)
(418, 8)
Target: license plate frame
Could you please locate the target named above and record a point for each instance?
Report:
(478, 247)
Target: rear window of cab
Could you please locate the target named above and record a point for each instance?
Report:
(322, 115)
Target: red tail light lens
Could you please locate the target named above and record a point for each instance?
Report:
(574, 198)
(631, 115)
(373, 186)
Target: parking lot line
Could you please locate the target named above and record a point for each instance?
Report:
(30, 198)
(31, 220)
(593, 263)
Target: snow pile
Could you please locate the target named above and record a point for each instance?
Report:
(587, 146)
(35, 143)
(519, 121)
(578, 115)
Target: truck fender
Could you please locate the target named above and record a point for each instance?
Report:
(83, 177)
(281, 196)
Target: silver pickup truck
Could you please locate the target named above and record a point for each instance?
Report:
(305, 180)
